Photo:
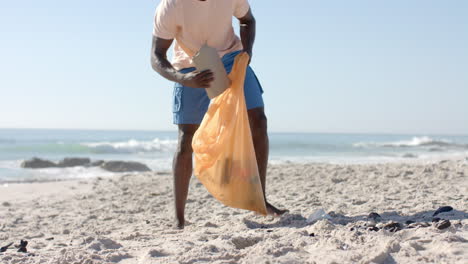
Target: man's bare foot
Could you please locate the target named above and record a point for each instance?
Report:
(180, 223)
(271, 210)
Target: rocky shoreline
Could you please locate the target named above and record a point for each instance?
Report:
(112, 165)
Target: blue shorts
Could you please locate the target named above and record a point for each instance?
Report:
(191, 104)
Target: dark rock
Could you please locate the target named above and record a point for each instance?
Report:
(435, 219)
(443, 224)
(72, 162)
(96, 163)
(393, 227)
(37, 163)
(22, 246)
(443, 209)
(163, 173)
(5, 248)
(435, 149)
(124, 166)
(374, 216)
(49, 238)
(409, 155)
(409, 222)
(373, 228)
(312, 234)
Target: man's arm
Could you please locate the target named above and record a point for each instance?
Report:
(247, 31)
(162, 66)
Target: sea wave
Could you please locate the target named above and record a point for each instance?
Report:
(133, 146)
(19, 175)
(45, 148)
(7, 141)
(414, 142)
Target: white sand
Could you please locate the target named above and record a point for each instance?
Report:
(129, 219)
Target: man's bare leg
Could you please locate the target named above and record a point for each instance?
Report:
(182, 170)
(258, 126)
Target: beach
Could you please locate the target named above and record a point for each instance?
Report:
(358, 110)
(130, 218)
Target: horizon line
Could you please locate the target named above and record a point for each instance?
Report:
(278, 131)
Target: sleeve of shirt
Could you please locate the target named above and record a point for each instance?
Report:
(241, 7)
(165, 20)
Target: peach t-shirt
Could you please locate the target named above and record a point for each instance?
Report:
(193, 23)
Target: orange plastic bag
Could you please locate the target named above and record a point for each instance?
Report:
(225, 159)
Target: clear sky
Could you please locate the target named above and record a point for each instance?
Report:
(397, 66)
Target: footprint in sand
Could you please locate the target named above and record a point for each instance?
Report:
(157, 253)
(117, 257)
(151, 254)
(244, 242)
(104, 243)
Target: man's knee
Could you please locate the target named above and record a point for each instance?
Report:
(186, 133)
(258, 121)
(185, 144)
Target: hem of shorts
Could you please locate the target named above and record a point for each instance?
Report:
(255, 106)
(178, 121)
(185, 122)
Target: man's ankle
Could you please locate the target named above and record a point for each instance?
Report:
(180, 224)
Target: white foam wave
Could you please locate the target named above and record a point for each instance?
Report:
(373, 159)
(54, 174)
(414, 142)
(133, 146)
(418, 141)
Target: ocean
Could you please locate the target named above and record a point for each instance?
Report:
(155, 149)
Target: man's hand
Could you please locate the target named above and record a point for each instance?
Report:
(197, 79)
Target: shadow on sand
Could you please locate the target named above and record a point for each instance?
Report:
(299, 221)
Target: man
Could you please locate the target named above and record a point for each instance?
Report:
(194, 23)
